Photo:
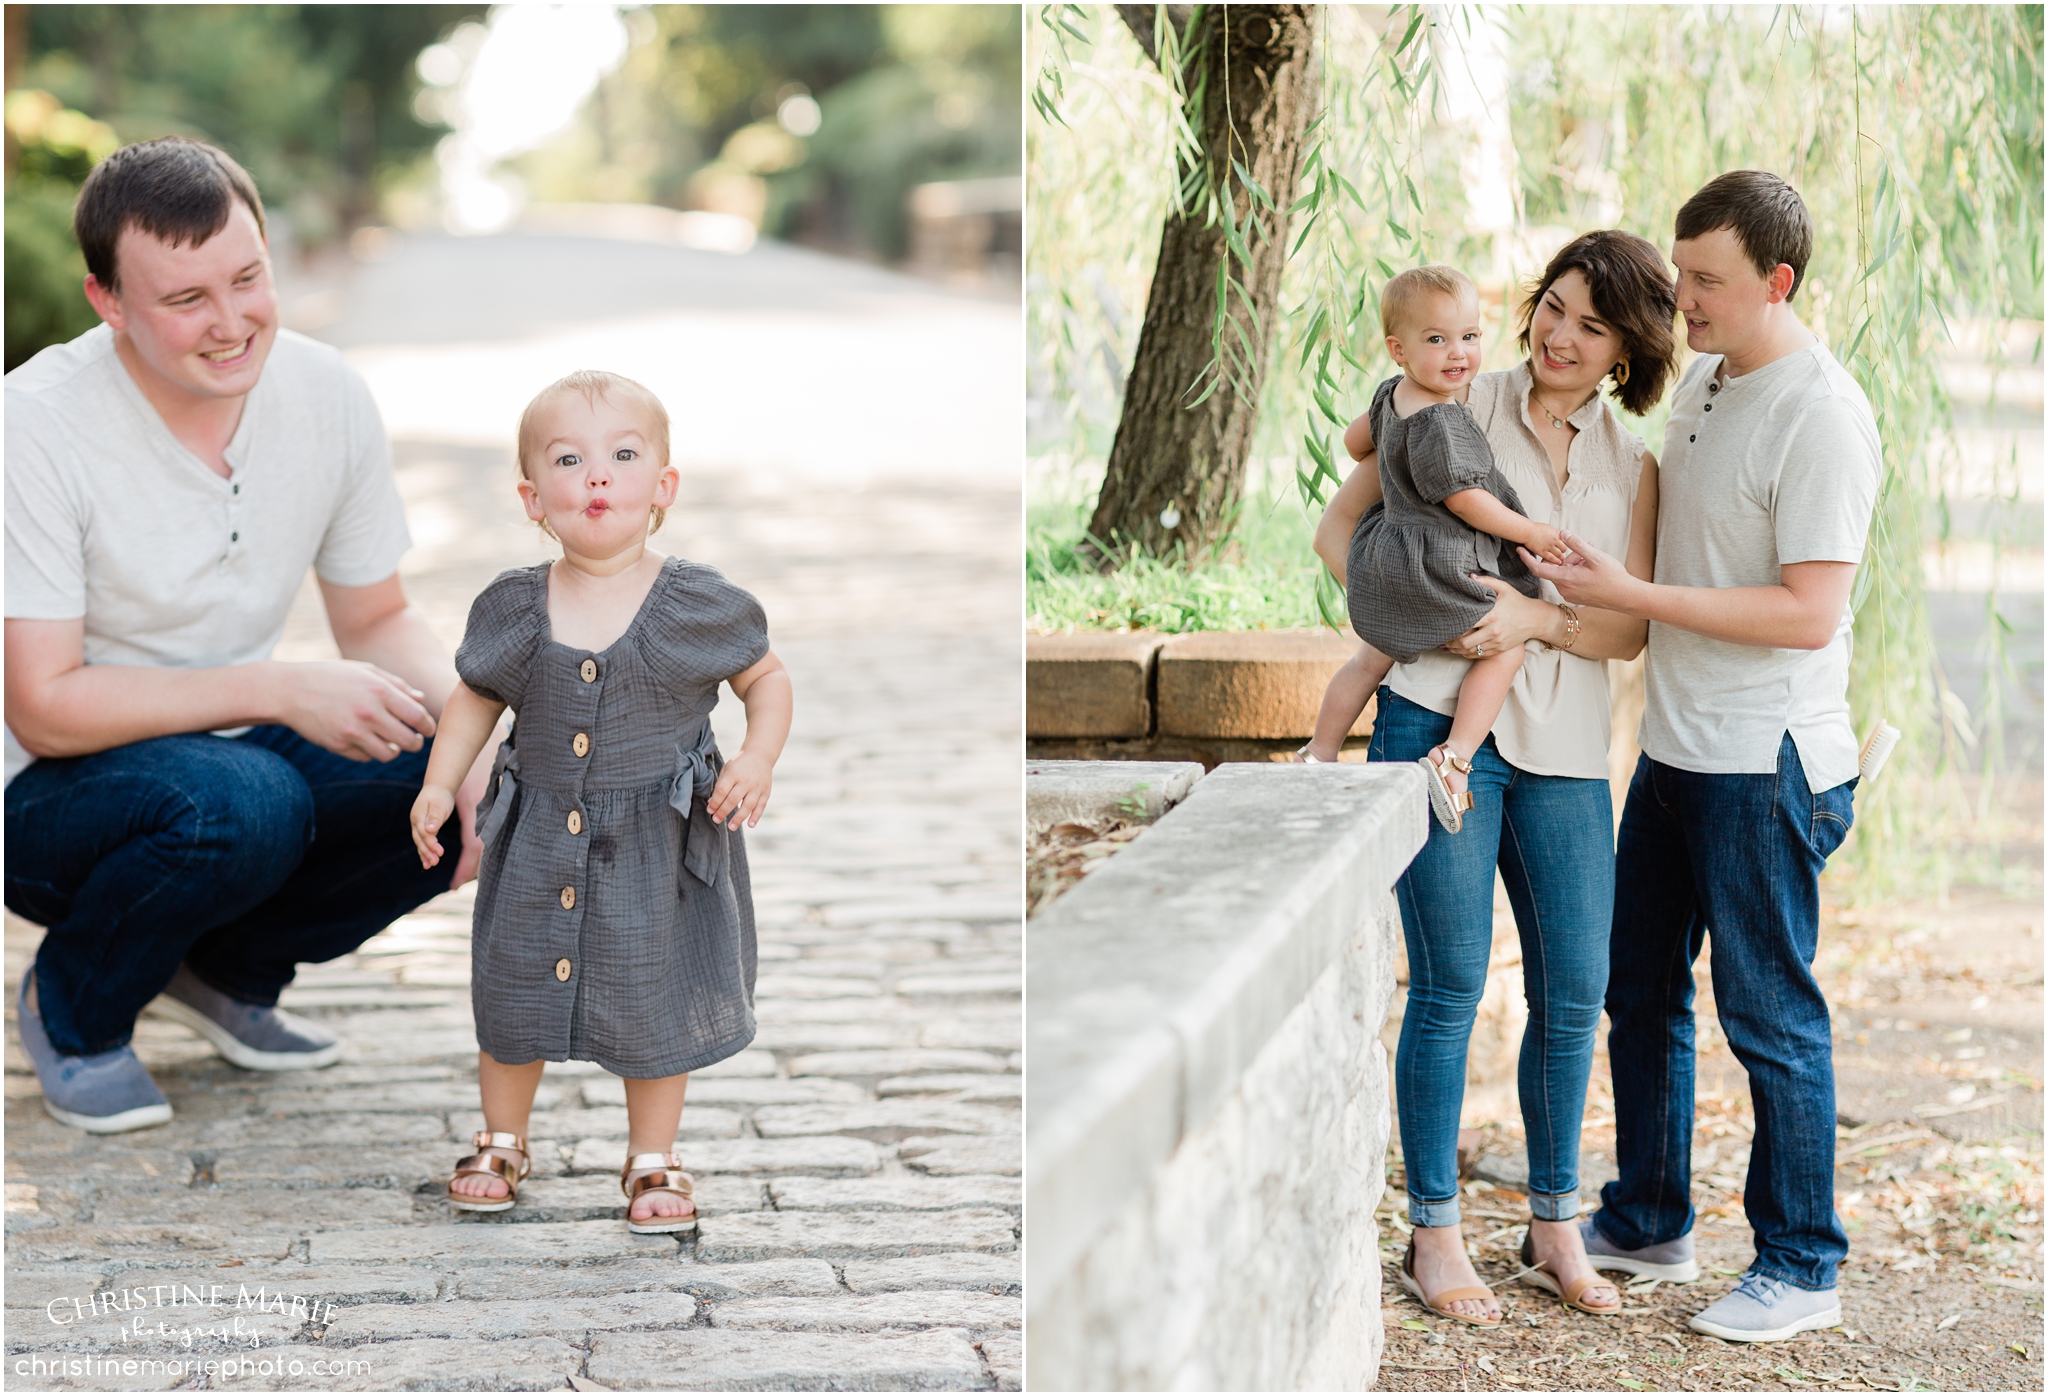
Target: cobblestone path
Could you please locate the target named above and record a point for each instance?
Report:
(857, 1167)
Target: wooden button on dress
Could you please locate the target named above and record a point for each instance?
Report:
(589, 671)
(562, 970)
(568, 899)
(575, 821)
(581, 744)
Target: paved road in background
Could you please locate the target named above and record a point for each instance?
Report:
(850, 441)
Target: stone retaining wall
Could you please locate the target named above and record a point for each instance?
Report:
(1208, 1095)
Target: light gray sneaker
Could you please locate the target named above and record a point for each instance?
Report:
(1763, 1310)
(105, 1093)
(257, 1038)
(1670, 1261)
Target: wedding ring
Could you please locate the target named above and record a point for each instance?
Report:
(1480, 649)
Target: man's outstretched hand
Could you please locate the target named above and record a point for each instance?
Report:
(1589, 577)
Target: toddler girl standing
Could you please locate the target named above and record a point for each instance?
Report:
(614, 921)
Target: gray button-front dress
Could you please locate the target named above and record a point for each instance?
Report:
(1407, 578)
(614, 919)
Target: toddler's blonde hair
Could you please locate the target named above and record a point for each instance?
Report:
(1405, 291)
(593, 383)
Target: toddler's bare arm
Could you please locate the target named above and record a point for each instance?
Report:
(743, 786)
(1487, 514)
(466, 725)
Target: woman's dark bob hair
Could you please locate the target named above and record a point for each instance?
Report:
(1635, 295)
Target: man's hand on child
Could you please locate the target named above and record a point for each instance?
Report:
(429, 812)
(741, 794)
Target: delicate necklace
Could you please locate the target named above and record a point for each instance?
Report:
(1555, 421)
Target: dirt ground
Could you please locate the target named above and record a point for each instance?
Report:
(1938, 1030)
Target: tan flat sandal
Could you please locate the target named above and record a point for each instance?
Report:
(1573, 1294)
(1436, 1303)
(491, 1165)
(665, 1175)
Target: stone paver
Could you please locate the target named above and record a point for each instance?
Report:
(858, 1165)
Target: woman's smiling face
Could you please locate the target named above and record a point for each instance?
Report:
(1570, 347)
(599, 475)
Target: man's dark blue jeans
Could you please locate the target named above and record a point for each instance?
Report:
(242, 857)
(1737, 856)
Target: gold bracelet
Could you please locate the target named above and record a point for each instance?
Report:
(1571, 628)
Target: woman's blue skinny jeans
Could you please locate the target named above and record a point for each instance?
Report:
(1552, 837)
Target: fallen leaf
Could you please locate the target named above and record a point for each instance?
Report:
(1951, 1321)
(1417, 1324)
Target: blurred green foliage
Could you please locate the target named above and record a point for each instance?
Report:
(314, 100)
(906, 94)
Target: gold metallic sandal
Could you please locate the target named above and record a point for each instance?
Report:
(490, 1165)
(1450, 805)
(666, 1175)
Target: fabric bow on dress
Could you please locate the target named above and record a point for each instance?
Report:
(697, 767)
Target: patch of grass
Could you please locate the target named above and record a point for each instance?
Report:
(1260, 576)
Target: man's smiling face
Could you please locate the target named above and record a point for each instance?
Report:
(201, 319)
(1725, 300)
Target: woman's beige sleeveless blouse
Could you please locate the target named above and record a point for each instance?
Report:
(1555, 722)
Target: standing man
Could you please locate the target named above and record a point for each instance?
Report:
(1769, 473)
(186, 816)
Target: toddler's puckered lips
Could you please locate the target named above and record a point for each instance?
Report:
(595, 508)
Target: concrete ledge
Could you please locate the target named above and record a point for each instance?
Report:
(1254, 683)
(1089, 684)
(1094, 792)
(1156, 981)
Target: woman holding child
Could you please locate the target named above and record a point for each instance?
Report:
(1539, 808)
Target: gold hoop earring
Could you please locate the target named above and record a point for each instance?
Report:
(1621, 374)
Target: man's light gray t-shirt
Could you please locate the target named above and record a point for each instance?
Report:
(110, 519)
(1778, 466)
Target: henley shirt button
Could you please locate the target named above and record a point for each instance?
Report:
(568, 899)
(234, 489)
(234, 537)
(1710, 407)
(575, 821)
(562, 970)
(1692, 438)
(589, 671)
(581, 744)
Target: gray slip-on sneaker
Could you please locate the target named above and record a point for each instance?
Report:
(106, 1093)
(257, 1038)
(1670, 1261)
(1763, 1310)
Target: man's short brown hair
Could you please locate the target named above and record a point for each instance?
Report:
(1399, 299)
(1766, 214)
(174, 189)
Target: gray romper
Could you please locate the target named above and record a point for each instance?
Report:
(614, 919)
(1407, 579)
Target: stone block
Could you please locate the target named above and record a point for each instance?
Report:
(105, 1371)
(1096, 792)
(933, 1308)
(957, 1086)
(875, 1006)
(718, 1283)
(851, 1235)
(369, 1131)
(885, 1121)
(1009, 984)
(1253, 683)
(827, 1156)
(605, 1122)
(909, 1061)
(1089, 684)
(998, 1273)
(955, 1154)
(255, 1208)
(328, 1284)
(714, 1359)
(995, 1033)
(709, 1283)
(816, 986)
(833, 1037)
(401, 1169)
(394, 1097)
(894, 1193)
(421, 1364)
(752, 1062)
(1223, 915)
(556, 1316)
(94, 1241)
(488, 1243)
(1004, 1353)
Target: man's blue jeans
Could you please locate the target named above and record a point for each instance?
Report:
(1740, 856)
(1552, 839)
(241, 857)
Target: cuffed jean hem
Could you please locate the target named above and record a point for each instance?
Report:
(1443, 1213)
(1768, 1273)
(1558, 1207)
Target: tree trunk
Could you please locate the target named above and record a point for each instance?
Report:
(1176, 475)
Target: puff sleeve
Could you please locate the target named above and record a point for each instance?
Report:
(1447, 453)
(704, 631)
(504, 634)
